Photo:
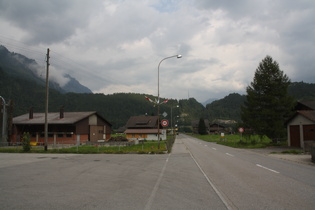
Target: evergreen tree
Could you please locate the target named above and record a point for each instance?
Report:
(202, 130)
(267, 103)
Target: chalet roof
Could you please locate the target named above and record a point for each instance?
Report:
(305, 105)
(142, 122)
(216, 125)
(309, 114)
(54, 118)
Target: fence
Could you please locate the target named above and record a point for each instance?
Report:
(111, 143)
(66, 144)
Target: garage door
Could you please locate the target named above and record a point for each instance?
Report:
(295, 136)
(309, 132)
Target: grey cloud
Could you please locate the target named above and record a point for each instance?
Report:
(121, 42)
(48, 21)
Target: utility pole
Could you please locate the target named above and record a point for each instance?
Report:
(46, 102)
(4, 135)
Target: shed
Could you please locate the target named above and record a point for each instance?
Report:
(301, 129)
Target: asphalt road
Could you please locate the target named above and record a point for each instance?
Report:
(248, 180)
(196, 175)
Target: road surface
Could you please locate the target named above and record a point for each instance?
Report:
(196, 175)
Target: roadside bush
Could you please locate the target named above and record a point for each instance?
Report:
(118, 138)
(26, 142)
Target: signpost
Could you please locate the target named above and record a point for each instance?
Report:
(241, 130)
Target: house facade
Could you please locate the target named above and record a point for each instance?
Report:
(301, 127)
(144, 128)
(216, 128)
(63, 127)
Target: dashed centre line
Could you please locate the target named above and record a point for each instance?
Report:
(229, 154)
(268, 169)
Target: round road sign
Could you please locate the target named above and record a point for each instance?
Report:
(241, 130)
(164, 123)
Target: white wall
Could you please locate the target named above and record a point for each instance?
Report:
(300, 121)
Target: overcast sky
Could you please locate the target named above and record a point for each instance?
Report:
(115, 46)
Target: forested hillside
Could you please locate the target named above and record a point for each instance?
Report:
(20, 67)
(227, 108)
(302, 91)
(116, 108)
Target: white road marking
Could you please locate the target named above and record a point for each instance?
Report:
(206, 145)
(229, 154)
(214, 148)
(267, 168)
(156, 186)
(211, 184)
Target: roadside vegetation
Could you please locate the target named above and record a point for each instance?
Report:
(250, 142)
(146, 147)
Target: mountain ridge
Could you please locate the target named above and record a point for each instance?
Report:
(18, 65)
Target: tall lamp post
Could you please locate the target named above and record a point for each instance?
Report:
(158, 99)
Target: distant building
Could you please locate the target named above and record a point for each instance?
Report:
(144, 127)
(216, 128)
(63, 127)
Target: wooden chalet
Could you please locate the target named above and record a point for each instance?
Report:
(144, 128)
(216, 128)
(63, 127)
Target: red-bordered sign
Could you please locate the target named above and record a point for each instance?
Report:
(164, 123)
(241, 130)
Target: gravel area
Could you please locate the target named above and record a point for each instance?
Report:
(276, 152)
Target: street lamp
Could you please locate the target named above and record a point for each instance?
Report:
(158, 99)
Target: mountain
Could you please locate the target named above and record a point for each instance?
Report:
(74, 86)
(209, 101)
(19, 66)
(227, 108)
